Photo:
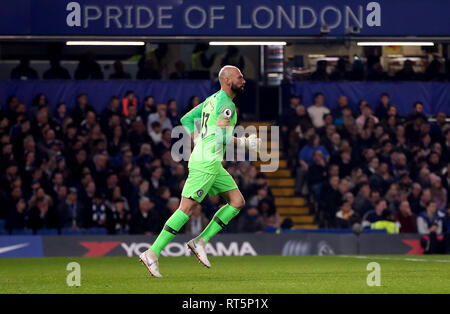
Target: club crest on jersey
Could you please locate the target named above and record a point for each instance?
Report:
(199, 193)
(227, 113)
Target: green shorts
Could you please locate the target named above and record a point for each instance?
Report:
(199, 183)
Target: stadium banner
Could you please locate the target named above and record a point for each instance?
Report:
(236, 245)
(100, 92)
(435, 96)
(223, 17)
(21, 246)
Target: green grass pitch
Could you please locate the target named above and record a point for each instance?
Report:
(262, 274)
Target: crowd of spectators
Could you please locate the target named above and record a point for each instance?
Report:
(110, 170)
(370, 166)
(151, 65)
(372, 70)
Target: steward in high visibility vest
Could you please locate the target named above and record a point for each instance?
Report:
(390, 226)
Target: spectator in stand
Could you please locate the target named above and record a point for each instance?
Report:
(23, 71)
(382, 110)
(200, 63)
(250, 221)
(71, 212)
(42, 216)
(306, 158)
(406, 218)
(376, 214)
(81, 109)
(119, 73)
(127, 101)
(387, 222)
(270, 216)
(18, 216)
(56, 71)
(425, 199)
(340, 72)
(99, 209)
(88, 68)
(342, 103)
(118, 217)
(147, 108)
(156, 132)
(173, 114)
(160, 116)
(346, 217)
(429, 221)
(321, 72)
(233, 57)
(438, 193)
(317, 173)
(407, 73)
(180, 71)
(366, 113)
(330, 200)
(145, 220)
(317, 111)
(197, 222)
(147, 70)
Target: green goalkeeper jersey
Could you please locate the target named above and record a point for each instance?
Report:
(215, 119)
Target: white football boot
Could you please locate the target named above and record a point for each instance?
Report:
(198, 248)
(150, 260)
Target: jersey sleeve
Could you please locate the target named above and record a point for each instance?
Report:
(224, 131)
(189, 119)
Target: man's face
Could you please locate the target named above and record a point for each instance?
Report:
(343, 101)
(440, 118)
(319, 100)
(237, 81)
(162, 109)
(115, 103)
(419, 108)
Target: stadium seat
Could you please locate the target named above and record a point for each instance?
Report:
(96, 231)
(21, 232)
(2, 227)
(67, 231)
(47, 232)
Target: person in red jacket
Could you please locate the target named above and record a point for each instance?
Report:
(128, 100)
(406, 218)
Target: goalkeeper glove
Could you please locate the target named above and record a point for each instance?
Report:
(252, 142)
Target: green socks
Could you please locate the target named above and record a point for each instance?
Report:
(219, 221)
(179, 218)
(172, 226)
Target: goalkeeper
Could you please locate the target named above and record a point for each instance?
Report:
(217, 116)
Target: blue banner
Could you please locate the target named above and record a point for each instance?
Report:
(224, 17)
(434, 96)
(100, 92)
(21, 246)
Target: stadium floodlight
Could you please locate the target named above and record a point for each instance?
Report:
(396, 43)
(105, 43)
(247, 43)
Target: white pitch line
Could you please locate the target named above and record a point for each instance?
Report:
(396, 259)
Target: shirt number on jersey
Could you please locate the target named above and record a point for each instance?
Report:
(205, 123)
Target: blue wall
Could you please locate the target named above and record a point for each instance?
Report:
(99, 92)
(434, 96)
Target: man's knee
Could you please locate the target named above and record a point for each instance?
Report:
(238, 203)
(187, 205)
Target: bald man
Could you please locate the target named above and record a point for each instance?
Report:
(217, 115)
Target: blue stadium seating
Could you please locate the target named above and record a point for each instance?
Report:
(2, 227)
(47, 232)
(67, 231)
(96, 231)
(21, 232)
